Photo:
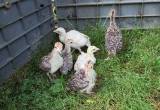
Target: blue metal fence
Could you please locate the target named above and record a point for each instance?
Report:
(23, 23)
(130, 13)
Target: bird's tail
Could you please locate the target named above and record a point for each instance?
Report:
(112, 16)
(89, 42)
(67, 88)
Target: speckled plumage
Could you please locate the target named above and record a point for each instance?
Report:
(84, 79)
(78, 81)
(67, 59)
(45, 65)
(79, 39)
(113, 38)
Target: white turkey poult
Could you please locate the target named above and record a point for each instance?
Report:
(67, 57)
(85, 57)
(113, 38)
(79, 39)
(84, 79)
(53, 61)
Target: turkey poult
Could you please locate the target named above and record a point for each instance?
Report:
(113, 38)
(84, 79)
(85, 57)
(67, 57)
(53, 61)
(79, 39)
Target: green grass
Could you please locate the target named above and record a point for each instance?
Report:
(130, 81)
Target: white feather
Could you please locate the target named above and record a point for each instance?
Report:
(79, 39)
(56, 62)
(91, 77)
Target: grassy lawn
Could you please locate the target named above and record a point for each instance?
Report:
(130, 81)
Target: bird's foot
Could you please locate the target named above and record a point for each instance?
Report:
(49, 76)
(90, 93)
(108, 58)
(52, 77)
(72, 51)
(82, 91)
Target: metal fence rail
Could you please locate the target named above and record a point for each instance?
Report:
(130, 13)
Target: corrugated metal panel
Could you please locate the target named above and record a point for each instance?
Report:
(22, 26)
(130, 13)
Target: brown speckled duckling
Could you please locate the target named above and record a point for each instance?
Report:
(67, 58)
(113, 38)
(84, 79)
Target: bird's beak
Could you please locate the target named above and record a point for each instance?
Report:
(55, 31)
(98, 49)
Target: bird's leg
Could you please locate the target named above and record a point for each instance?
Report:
(90, 92)
(75, 67)
(111, 54)
(89, 89)
(49, 76)
(108, 58)
(83, 90)
(53, 76)
(80, 50)
(72, 51)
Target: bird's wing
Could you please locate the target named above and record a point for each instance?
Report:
(76, 63)
(82, 82)
(80, 61)
(56, 61)
(74, 32)
(78, 81)
(45, 65)
(82, 34)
